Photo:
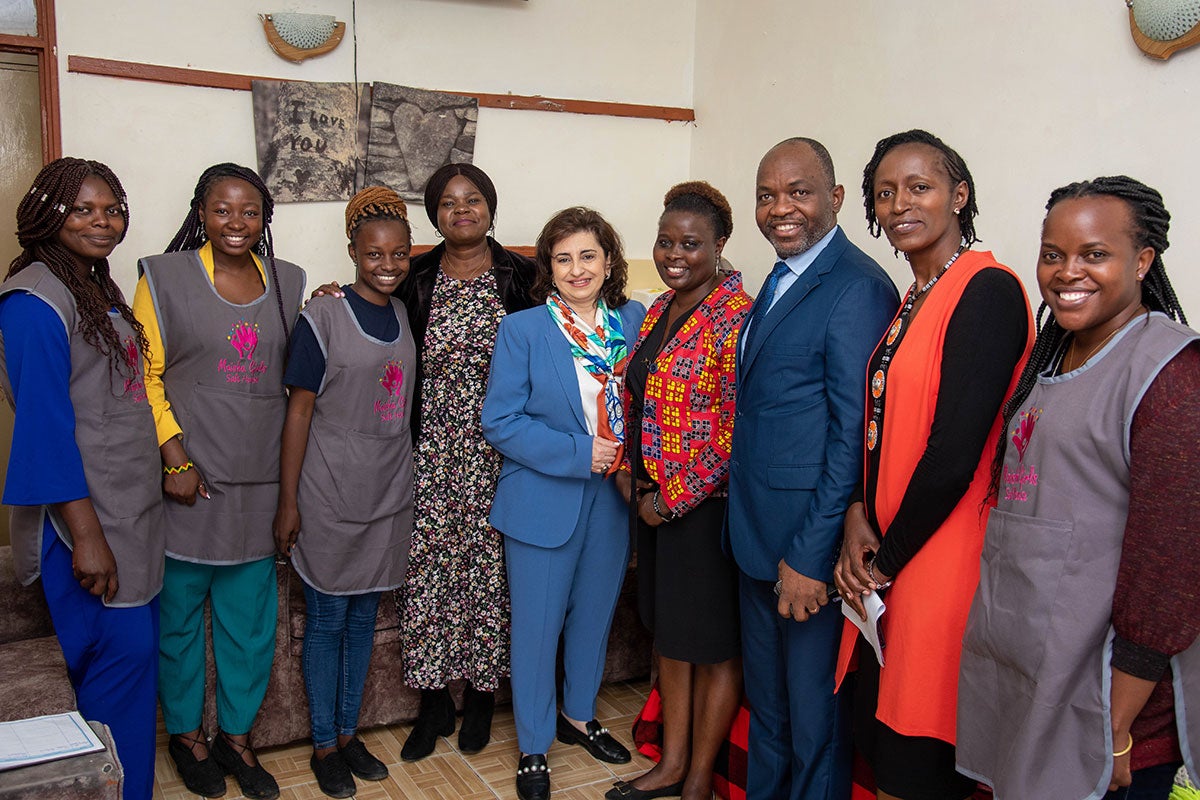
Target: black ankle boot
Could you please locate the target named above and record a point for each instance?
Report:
(436, 719)
(476, 730)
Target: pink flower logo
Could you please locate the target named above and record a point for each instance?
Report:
(131, 354)
(1024, 431)
(244, 338)
(393, 378)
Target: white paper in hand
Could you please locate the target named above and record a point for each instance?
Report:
(870, 627)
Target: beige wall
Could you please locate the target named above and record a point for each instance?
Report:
(1032, 96)
(158, 138)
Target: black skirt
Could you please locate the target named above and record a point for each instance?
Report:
(688, 588)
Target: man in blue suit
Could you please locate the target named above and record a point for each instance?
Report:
(796, 458)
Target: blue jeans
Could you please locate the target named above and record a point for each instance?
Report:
(1151, 783)
(339, 634)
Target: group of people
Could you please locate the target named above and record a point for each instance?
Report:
(487, 435)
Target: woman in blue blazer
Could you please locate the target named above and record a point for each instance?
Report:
(553, 409)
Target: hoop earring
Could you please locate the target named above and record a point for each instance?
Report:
(438, 233)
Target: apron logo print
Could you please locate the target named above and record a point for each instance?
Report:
(1024, 431)
(393, 378)
(244, 338)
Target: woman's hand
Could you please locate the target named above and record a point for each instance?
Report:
(647, 512)
(286, 527)
(332, 288)
(1122, 775)
(604, 452)
(92, 561)
(624, 483)
(858, 546)
(181, 487)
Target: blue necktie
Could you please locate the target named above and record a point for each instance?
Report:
(764, 302)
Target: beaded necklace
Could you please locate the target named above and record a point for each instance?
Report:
(892, 342)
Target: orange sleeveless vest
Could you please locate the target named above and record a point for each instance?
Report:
(928, 603)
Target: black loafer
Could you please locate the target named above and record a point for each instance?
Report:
(333, 775)
(625, 790)
(597, 741)
(201, 776)
(533, 778)
(361, 762)
(255, 782)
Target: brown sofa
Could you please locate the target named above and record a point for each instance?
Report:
(386, 700)
(36, 683)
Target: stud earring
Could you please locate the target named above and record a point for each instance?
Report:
(956, 212)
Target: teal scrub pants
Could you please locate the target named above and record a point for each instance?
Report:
(243, 599)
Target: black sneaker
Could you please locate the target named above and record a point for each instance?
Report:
(254, 781)
(361, 762)
(333, 774)
(201, 776)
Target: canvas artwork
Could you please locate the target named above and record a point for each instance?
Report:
(309, 139)
(415, 131)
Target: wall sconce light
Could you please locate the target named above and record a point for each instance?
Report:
(295, 36)
(1160, 28)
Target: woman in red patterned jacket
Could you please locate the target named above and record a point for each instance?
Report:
(680, 390)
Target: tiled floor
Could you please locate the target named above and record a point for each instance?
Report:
(448, 774)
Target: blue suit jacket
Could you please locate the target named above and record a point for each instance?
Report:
(798, 429)
(533, 415)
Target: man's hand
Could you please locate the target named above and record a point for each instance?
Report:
(800, 596)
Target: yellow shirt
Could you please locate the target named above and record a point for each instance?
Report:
(143, 309)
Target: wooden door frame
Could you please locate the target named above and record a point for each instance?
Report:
(44, 46)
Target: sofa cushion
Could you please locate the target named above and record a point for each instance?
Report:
(23, 610)
(35, 679)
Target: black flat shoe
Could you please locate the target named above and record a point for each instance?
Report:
(333, 774)
(362, 763)
(435, 719)
(255, 782)
(625, 790)
(201, 776)
(597, 741)
(533, 778)
(476, 730)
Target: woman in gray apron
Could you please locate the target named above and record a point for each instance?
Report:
(217, 307)
(346, 477)
(83, 472)
(1081, 656)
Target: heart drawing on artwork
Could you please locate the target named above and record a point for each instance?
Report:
(425, 139)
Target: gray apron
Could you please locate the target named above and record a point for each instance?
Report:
(223, 377)
(1034, 716)
(356, 486)
(114, 429)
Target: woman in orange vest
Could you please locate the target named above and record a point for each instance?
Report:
(936, 385)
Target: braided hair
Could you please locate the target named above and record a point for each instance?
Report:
(40, 215)
(953, 163)
(192, 236)
(701, 198)
(1151, 222)
(375, 203)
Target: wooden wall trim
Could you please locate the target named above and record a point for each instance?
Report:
(130, 70)
(525, 250)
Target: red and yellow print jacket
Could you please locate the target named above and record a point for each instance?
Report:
(687, 417)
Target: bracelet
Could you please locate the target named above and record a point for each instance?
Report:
(871, 572)
(1128, 747)
(666, 515)
(178, 470)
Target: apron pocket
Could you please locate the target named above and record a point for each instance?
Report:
(129, 464)
(374, 476)
(1023, 563)
(234, 436)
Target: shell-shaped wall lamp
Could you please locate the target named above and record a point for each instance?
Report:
(1162, 27)
(295, 36)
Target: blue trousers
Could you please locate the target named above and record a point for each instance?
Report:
(800, 746)
(339, 635)
(112, 659)
(1149, 783)
(570, 590)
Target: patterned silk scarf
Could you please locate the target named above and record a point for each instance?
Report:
(604, 353)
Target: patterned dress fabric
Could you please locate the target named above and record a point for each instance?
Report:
(455, 600)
